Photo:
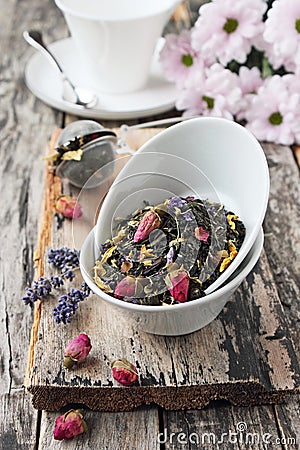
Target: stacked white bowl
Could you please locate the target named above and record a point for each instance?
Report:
(205, 157)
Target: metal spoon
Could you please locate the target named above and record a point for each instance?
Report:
(72, 94)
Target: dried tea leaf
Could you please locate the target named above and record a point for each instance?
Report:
(126, 266)
(99, 269)
(52, 157)
(133, 223)
(146, 252)
(118, 238)
(199, 252)
(225, 263)
(108, 254)
(104, 287)
(74, 155)
(148, 262)
(176, 241)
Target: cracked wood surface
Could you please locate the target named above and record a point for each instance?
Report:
(269, 329)
(25, 126)
(244, 356)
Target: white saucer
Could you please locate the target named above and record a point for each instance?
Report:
(44, 81)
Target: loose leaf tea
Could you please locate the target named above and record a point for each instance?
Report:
(168, 253)
(72, 149)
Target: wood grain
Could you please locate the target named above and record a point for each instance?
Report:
(282, 227)
(282, 253)
(233, 365)
(107, 431)
(25, 126)
(221, 427)
(24, 131)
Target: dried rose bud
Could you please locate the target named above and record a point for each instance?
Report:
(124, 372)
(178, 285)
(68, 207)
(69, 425)
(148, 223)
(125, 288)
(77, 350)
(201, 234)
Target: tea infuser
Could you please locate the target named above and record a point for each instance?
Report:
(94, 147)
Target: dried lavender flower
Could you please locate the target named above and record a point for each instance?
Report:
(56, 281)
(30, 297)
(176, 202)
(68, 305)
(42, 287)
(65, 260)
(64, 257)
(68, 274)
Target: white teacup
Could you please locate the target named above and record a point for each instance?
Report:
(116, 39)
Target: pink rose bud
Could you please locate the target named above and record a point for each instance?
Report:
(69, 425)
(179, 280)
(148, 223)
(124, 372)
(77, 350)
(201, 234)
(68, 207)
(125, 288)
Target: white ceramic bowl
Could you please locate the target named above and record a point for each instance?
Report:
(177, 319)
(206, 157)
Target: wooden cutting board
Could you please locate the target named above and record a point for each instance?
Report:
(245, 356)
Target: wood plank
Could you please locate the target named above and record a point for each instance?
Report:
(282, 227)
(18, 421)
(288, 421)
(221, 426)
(284, 196)
(107, 431)
(234, 365)
(282, 248)
(13, 21)
(25, 124)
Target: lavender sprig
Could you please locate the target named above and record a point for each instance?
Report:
(56, 281)
(65, 260)
(63, 257)
(68, 304)
(39, 289)
(30, 297)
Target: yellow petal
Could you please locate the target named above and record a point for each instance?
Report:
(108, 254)
(230, 219)
(75, 155)
(52, 157)
(104, 287)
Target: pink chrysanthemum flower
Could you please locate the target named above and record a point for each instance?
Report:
(178, 58)
(226, 28)
(274, 59)
(282, 30)
(273, 113)
(249, 81)
(214, 92)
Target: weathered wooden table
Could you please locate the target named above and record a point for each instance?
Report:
(26, 125)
